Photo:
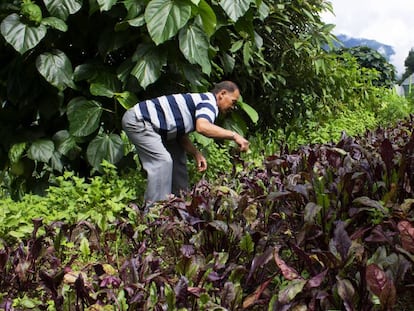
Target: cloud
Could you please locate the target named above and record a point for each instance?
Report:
(388, 22)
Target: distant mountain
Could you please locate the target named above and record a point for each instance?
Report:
(385, 50)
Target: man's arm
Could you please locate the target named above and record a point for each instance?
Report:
(188, 146)
(204, 127)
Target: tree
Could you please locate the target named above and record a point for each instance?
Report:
(409, 65)
(72, 67)
(372, 59)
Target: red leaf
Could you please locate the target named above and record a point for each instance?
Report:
(406, 235)
(196, 291)
(288, 272)
(381, 286)
(252, 298)
(376, 279)
(317, 280)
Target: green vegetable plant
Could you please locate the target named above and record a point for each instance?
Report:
(71, 199)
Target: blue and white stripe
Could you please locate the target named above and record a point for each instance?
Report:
(175, 115)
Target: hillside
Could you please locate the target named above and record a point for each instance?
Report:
(386, 50)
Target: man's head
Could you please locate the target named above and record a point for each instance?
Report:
(227, 94)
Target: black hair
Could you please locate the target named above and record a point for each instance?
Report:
(229, 86)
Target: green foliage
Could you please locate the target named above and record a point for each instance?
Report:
(218, 159)
(72, 68)
(352, 103)
(72, 199)
(372, 59)
(393, 108)
(409, 65)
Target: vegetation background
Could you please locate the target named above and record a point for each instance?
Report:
(70, 68)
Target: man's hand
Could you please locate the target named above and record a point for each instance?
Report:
(201, 162)
(191, 149)
(242, 142)
(204, 127)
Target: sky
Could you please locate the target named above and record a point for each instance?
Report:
(388, 22)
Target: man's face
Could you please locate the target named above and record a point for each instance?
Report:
(226, 100)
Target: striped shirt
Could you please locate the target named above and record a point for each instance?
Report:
(175, 115)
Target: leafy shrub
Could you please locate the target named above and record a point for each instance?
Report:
(71, 200)
(393, 108)
(218, 159)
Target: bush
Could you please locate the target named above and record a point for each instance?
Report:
(393, 108)
(71, 199)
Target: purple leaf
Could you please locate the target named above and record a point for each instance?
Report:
(381, 286)
(228, 294)
(342, 240)
(317, 280)
(346, 291)
(259, 261)
(406, 235)
(387, 153)
(187, 251)
(288, 272)
(181, 289)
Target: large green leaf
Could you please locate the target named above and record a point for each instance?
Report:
(99, 89)
(55, 23)
(134, 8)
(84, 116)
(56, 161)
(87, 71)
(165, 18)
(149, 62)
(21, 36)
(106, 5)
(251, 112)
(208, 17)
(56, 68)
(235, 8)
(228, 63)
(41, 150)
(63, 8)
(105, 147)
(126, 99)
(194, 45)
(16, 151)
(65, 142)
(105, 83)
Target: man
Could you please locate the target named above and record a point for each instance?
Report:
(159, 130)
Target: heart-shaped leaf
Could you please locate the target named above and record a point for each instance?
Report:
(107, 147)
(149, 62)
(84, 116)
(21, 36)
(165, 18)
(235, 8)
(63, 8)
(194, 45)
(56, 68)
(41, 150)
(106, 5)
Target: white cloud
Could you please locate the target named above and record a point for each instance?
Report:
(388, 22)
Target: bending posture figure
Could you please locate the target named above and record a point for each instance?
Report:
(159, 129)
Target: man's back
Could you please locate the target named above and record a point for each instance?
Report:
(175, 115)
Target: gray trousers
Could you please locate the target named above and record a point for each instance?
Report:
(164, 162)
